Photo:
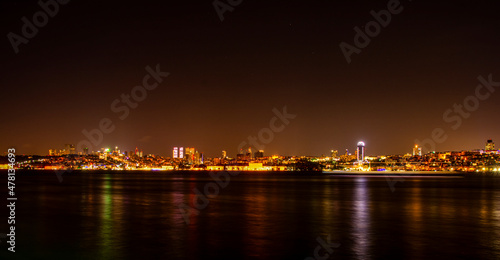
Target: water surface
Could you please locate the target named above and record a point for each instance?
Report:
(256, 216)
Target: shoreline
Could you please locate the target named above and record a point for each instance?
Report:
(392, 174)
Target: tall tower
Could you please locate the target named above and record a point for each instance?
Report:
(490, 145)
(72, 149)
(417, 151)
(176, 152)
(360, 152)
(67, 149)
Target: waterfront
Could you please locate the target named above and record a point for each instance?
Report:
(129, 215)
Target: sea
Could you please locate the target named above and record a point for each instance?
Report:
(245, 215)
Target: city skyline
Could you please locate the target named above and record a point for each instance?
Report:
(236, 129)
(226, 78)
(180, 152)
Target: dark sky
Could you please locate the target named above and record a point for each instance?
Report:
(227, 76)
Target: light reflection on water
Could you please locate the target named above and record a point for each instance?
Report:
(116, 216)
(361, 219)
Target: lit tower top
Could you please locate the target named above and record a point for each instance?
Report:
(361, 151)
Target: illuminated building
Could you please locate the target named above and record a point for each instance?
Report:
(360, 152)
(181, 152)
(187, 153)
(334, 154)
(190, 155)
(490, 145)
(417, 151)
(259, 154)
(196, 158)
(176, 152)
(248, 155)
(69, 149)
(224, 154)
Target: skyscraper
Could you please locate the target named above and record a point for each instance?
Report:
(72, 149)
(417, 151)
(181, 152)
(360, 152)
(259, 154)
(196, 158)
(490, 145)
(176, 152)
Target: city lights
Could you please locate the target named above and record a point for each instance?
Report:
(190, 158)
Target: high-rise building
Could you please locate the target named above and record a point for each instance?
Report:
(490, 145)
(196, 158)
(181, 152)
(417, 151)
(360, 152)
(192, 155)
(224, 154)
(240, 156)
(249, 154)
(259, 154)
(69, 149)
(189, 154)
(176, 152)
(334, 154)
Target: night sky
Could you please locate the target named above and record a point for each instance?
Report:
(227, 76)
